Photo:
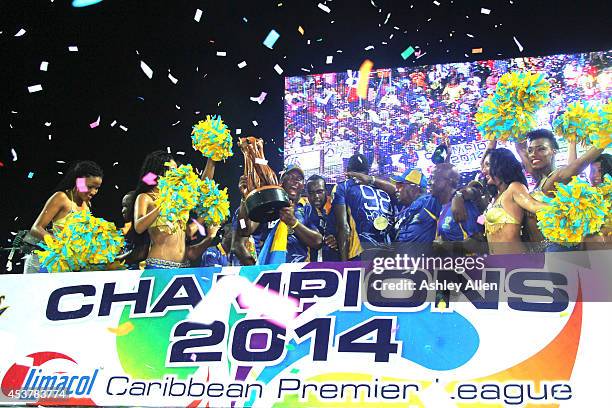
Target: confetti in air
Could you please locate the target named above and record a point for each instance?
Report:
(364, 78)
(198, 15)
(95, 124)
(146, 69)
(35, 88)
(242, 64)
(271, 39)
(407, 52)
(518, 44)
(44, 65)
(324, 7)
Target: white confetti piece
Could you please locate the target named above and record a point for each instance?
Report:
(177, 107)
(49, 137)
(73, 48)
(259, 99)
(20, 32)
(305, 69)
(242, 223)
(34, 88)
(278, 69)
(437, 3)
(263, 162)
(329, 59)
(198, 15)
(171, 78)
(123, 128)
(146, 69)
(469, 35)
(485, 10)
(369, 47)
(180, 153)
(116, 187)
(255, 123)
(242, 64)
(176, 123)
(44, 65)
(60, 161)
(518, 44)
(113, 123)
(47, 124)
(168, 149)
(387, 19)
(221, 54)
(238, 131)
(115, 163)
(324, 7)
(14, 153)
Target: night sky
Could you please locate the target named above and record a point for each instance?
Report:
(104, 77)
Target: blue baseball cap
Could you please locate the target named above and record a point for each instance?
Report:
(413, 176)
(292, 167)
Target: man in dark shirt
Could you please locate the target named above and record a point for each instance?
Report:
(318, 211)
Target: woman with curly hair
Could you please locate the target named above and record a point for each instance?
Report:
(505, 215)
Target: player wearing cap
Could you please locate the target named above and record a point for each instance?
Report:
(303, 234)
(362, 212)
(418, 222)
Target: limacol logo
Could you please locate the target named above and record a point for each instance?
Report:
(39, 376)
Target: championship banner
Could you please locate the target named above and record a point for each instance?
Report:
(496, 331)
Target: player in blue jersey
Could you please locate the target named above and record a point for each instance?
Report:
(362, 213)
(320, 206)
(220, 254)
(451, 228)
(303, 233)
(418, 222)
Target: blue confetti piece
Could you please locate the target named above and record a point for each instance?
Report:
(271, 39)
(84, 3)
(30, 175)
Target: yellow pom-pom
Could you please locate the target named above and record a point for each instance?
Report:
(179, 192)
(214, 203)
(212, 138)
(576, 210)
(83, 241)
(577, 123)
(510, 112)
(602, 137)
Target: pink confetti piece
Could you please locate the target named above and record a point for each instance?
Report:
(81, 185)
(95, 124)
(259, 99)
(481, 219)
(201, 228)
(150, 179)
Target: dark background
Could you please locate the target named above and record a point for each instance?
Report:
(104, 77)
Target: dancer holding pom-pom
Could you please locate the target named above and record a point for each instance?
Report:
(73, 194)
(163, 196)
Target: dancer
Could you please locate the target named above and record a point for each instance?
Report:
(167, 248)
(504, 217)
(73, 194)
(600, 167)
(538, 157)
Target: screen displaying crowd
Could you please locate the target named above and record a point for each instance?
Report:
(408, 111)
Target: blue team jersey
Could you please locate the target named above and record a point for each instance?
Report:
(322, 220)
(296, 250)
(418, 221)
(215, 256)
(364, 204)
(450, 230)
